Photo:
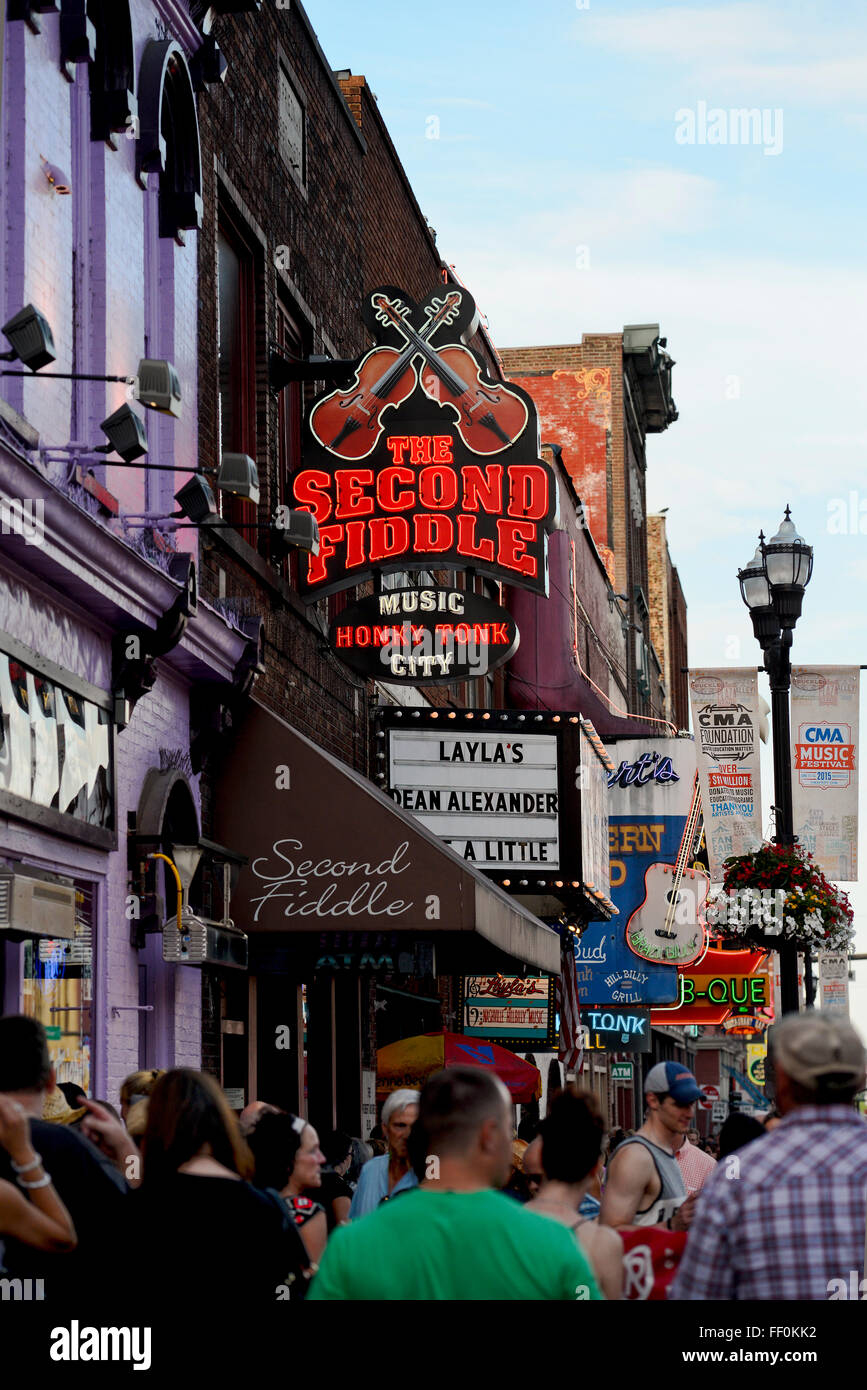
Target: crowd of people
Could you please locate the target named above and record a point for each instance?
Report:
(174, 1193)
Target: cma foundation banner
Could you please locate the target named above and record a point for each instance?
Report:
(834, 982)
(725, 717)
(825, 766)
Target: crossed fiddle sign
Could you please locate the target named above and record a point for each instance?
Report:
(489, 416)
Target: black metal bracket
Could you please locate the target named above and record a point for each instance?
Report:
(135, 651)
(283, 370)
(29, 9)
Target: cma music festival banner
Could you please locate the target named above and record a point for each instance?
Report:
(649, 795)
(725, 717)
(825, 766)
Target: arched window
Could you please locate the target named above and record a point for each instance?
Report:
(168, 142)
(100, 32)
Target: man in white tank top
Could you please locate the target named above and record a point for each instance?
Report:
(643, 1182)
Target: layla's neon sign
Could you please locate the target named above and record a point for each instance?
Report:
(424, 462)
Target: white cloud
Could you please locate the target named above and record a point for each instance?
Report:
(751, 48)
(683, 34)
(830, 81)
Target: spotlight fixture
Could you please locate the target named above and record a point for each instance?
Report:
(125, 433)
(158, 386)
(301, 529)
(237, 474)
(197, 501)
(56, 177)
(30, 335)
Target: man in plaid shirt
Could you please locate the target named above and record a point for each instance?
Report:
(785, 1216)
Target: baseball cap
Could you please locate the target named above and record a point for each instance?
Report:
(813, 1046)
(672, 1079)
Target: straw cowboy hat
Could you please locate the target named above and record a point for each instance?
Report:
(57, 1110)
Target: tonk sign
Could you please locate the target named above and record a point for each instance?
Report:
(422, 461)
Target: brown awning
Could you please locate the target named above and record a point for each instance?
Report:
(328, 851)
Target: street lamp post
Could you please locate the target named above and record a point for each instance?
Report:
(772, 587)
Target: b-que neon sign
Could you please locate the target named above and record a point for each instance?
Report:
(423, 461)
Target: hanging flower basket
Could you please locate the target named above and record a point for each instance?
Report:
(776, 896)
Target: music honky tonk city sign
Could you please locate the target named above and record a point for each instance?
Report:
(422, 461)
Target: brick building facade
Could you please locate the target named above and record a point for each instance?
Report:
(667, 621)
(296, 227)
(598, 400)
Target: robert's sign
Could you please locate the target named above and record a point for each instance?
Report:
(433, 635)
(423, 461)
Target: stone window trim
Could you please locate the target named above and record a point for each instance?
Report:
(286, 70)
(168, 137)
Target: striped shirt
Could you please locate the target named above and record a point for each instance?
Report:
(785, 1215)
(695, 1165)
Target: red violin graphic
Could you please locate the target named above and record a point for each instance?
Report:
(490, 417)
(349, 422)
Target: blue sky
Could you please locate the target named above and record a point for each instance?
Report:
(561, 194)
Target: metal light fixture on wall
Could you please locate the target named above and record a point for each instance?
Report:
(126, 435)
(30, 335)
(237, 474)
(156, 383)
(157, 386)
(59, 181)
(197, 501)
(302, 531)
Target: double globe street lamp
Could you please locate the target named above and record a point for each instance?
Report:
(772, 587)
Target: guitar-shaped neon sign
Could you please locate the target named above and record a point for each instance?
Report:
(668, 927)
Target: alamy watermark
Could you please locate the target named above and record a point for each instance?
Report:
(736, 126)
(23, 516)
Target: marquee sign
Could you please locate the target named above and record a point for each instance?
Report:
(432, 635)
(519, 795)
(423, 461)
(492, 796)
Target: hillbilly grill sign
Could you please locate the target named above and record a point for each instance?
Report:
(422, 461)
(432, 635)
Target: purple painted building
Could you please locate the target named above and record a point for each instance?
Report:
(102, 635)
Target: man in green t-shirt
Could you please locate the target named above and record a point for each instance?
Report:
(453, 1237)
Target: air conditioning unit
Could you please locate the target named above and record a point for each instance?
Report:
(34, 907)
(204, 942)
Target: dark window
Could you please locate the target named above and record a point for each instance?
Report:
(236, 279)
